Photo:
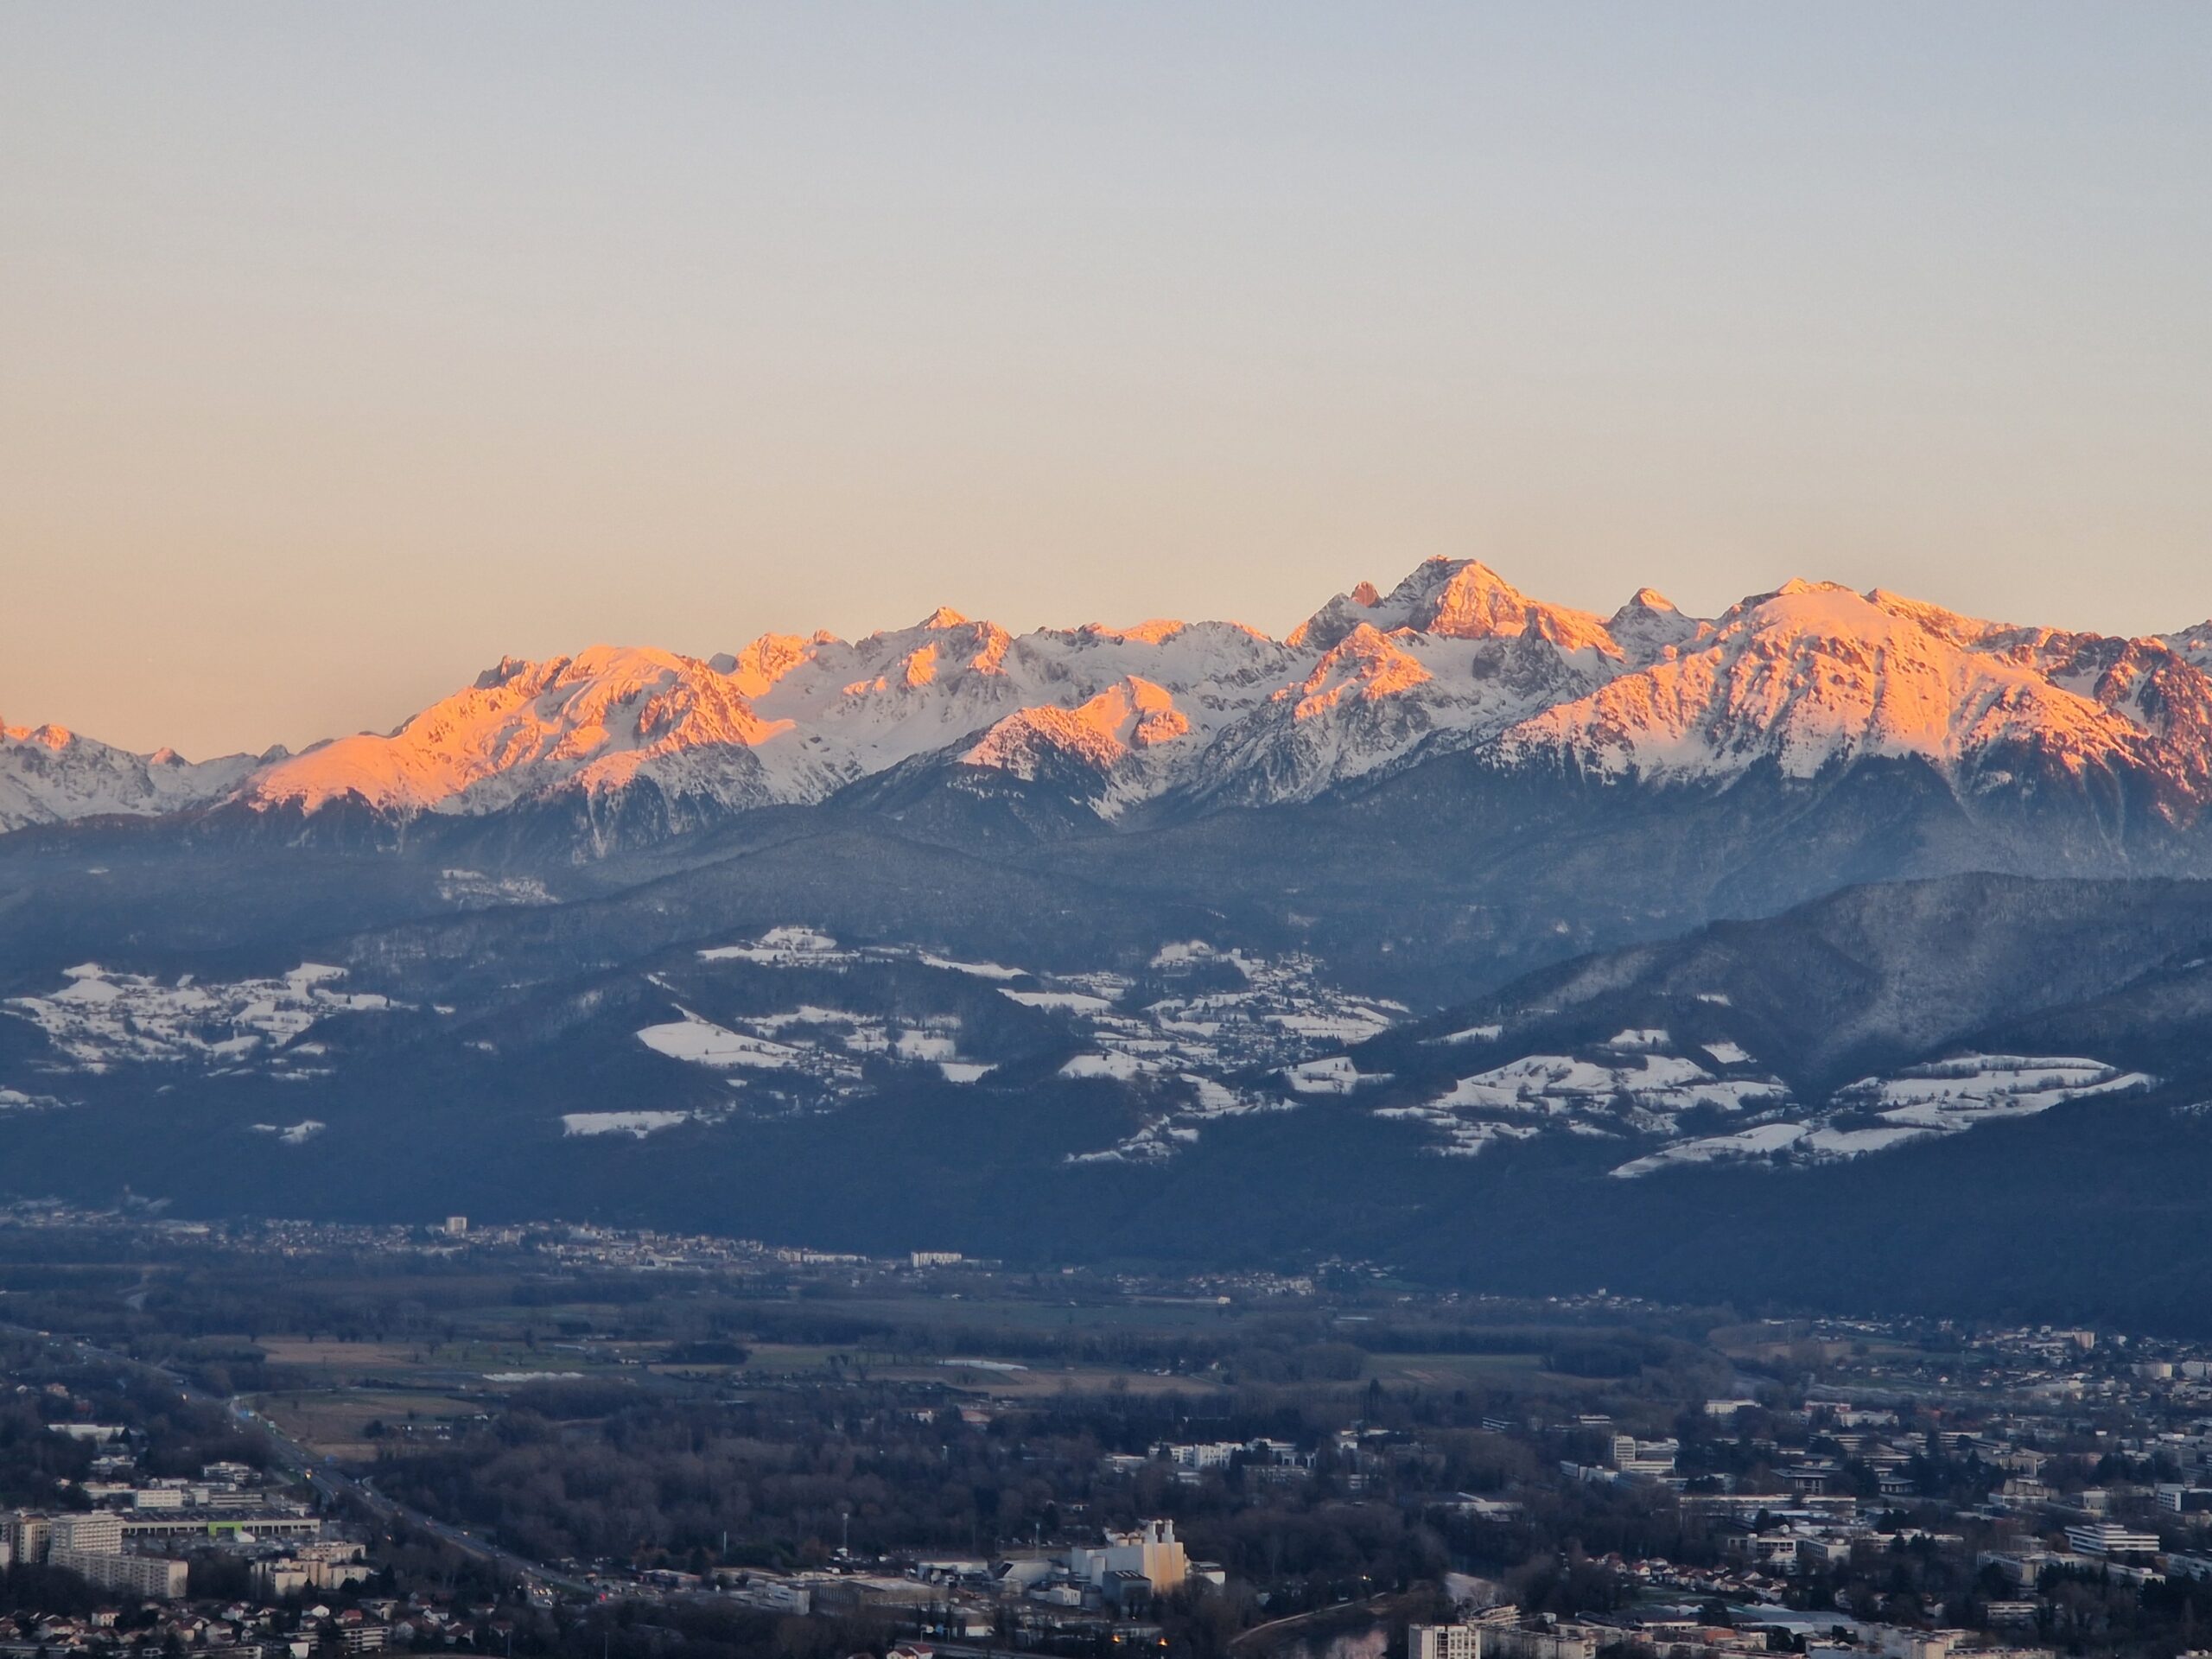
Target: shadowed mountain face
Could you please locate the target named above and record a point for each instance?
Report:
(1875, 975)
(1495, 941)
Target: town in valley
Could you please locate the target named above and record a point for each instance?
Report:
(288, 1441)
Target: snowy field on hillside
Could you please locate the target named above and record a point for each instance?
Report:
(638, 1124)
(100, 1017)
(1947, 1098)
(1630, 1085)
(1265, 1015)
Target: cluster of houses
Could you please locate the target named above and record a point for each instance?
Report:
(249, 1631)
(1680, 1632)
(1353, 1452)
(2031, 1457)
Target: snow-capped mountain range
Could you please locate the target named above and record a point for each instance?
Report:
(1808, 679)
(49, 774)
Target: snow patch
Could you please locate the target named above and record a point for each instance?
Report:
(790, 945)
(978, 969)
(294, 1135)
(704, 1043)
(1103, 1065)
(1336, 1075)
(1073, 1002)
(639, 1124)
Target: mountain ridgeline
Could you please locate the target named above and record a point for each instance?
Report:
(1490, 940)
(1187, 718)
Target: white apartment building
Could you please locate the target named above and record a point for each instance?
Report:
(2110, 1538)
(27, 1536)
(1568, 1642)
(100, 1532)
(1443, 1642)
(1651, 1459)
(1204, 1454)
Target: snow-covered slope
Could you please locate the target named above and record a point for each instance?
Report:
(2194, 643)
(1811, 677)
(49, 775)
(1815, 675)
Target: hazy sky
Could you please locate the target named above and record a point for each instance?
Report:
(344, 349)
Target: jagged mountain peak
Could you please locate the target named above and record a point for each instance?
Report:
(1460, 600)
(598, 720)
(1366, 664)
(1470, 581)
(1651, 624)
(1127, 718)
(767, 660)
(1335, 620)
(46, 736)
(1453, 599)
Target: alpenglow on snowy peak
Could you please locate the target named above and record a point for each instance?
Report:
(1453, 659)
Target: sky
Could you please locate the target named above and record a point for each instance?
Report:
(345, 350)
